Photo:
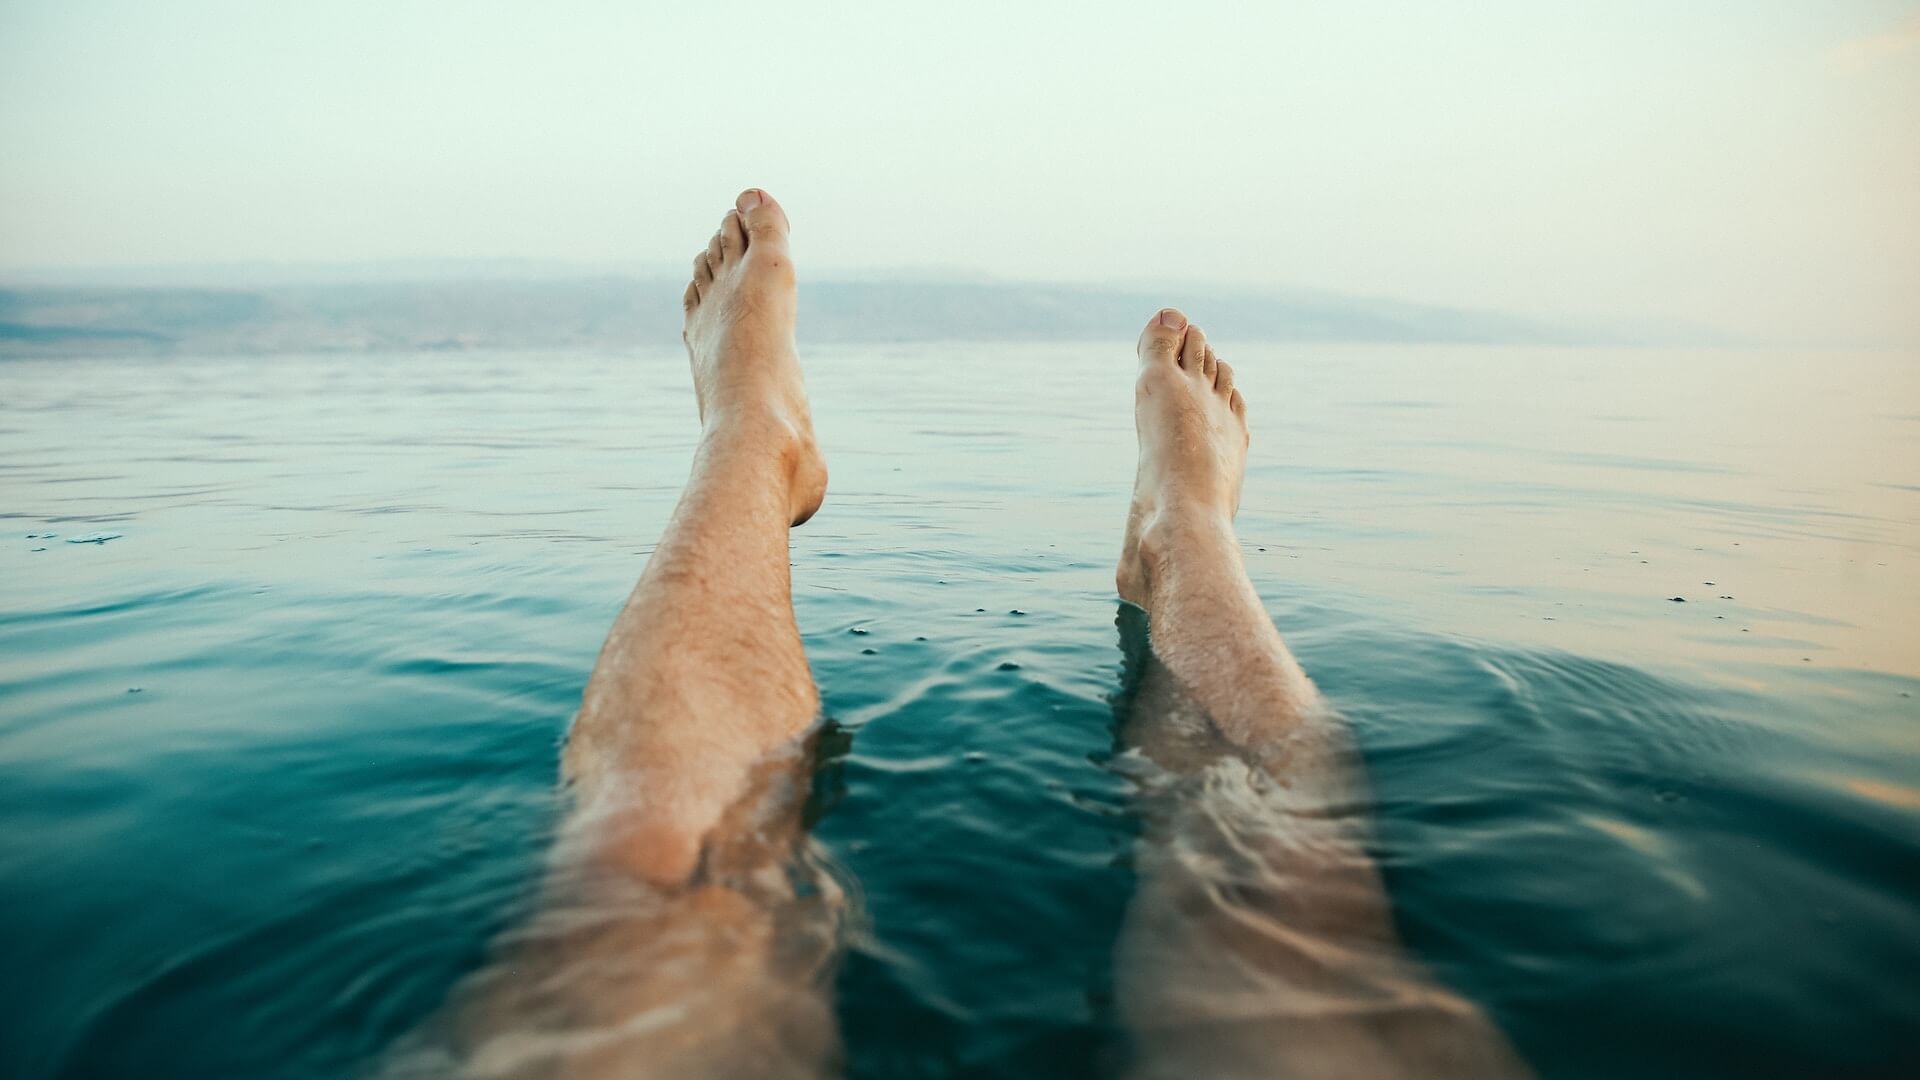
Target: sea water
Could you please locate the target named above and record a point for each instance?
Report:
(1629, 642)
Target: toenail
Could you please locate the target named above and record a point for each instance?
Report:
(749, 198)
(1172, 318)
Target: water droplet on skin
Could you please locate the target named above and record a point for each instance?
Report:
(1015, 611)
(1677, 599)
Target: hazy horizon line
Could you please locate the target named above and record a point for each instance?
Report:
(244, 274)
(422, 268)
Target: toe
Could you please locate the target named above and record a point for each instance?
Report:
(716, 254)
(702, 271)
(733, 235)
(1210, 364)
(1160, 341)
(1239, 403)
(763, 219)
(1223, 378)
(692, 296)
(1193, 354)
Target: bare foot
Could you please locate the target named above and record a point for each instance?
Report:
(739, 334)
(703, 676)
(1260, 943)
(1193, 447)
(687, 928)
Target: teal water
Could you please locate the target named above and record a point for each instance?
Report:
(277, 760)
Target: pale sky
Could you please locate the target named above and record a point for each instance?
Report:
(1747, 165)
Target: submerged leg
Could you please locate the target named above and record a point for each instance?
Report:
(703, 674)
(1261, 943)
(682, 932)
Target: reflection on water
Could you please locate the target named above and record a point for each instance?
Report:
(277, 761)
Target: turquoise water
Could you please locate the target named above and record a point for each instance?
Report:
(277, 760)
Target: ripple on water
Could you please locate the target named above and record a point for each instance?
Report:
(360, 597)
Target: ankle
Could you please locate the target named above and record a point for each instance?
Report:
(760, 423)
(1168, 535)
(775, 440)
(1178, 522)
(1176, 533)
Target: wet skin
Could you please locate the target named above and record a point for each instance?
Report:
(687, 929)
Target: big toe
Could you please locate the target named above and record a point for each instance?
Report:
(765, 222)
(1160, 341)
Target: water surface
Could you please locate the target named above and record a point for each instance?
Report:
(277, 758)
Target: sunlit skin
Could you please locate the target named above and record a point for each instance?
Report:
(672, 941)
(703, 672)
(673, 937)
(1260, 943)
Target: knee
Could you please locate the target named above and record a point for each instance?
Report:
(664, 854)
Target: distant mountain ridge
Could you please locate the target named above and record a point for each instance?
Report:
(501, 310)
